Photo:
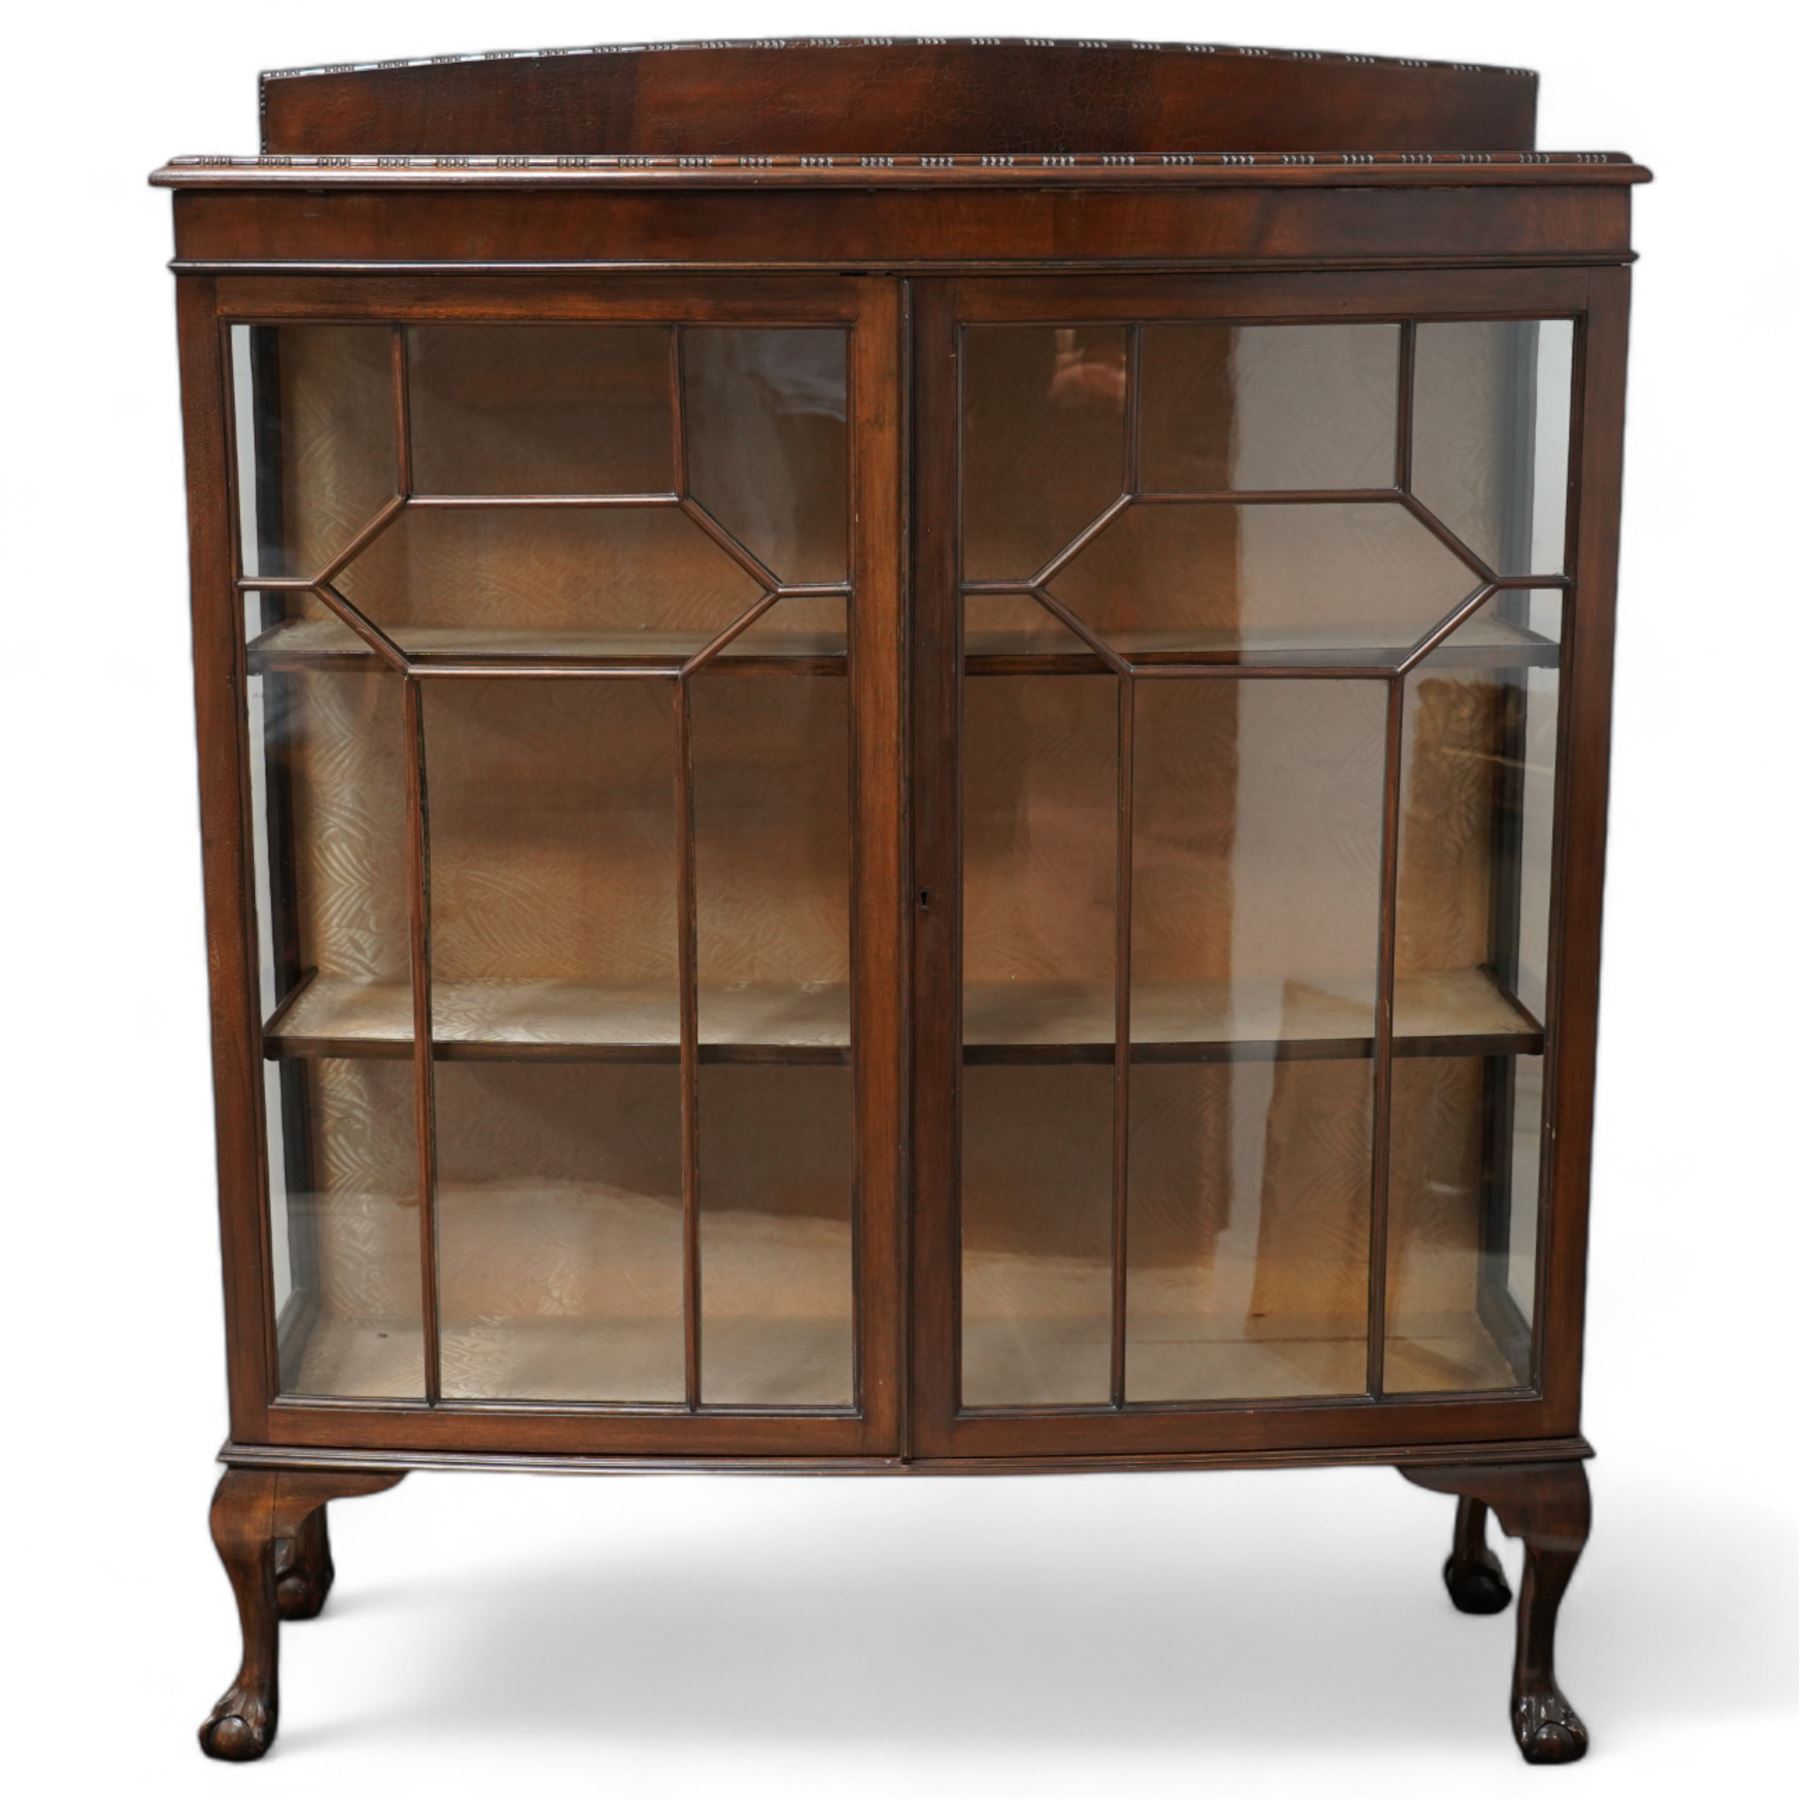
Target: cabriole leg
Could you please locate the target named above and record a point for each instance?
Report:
(1546, 1506)
(269, 1529)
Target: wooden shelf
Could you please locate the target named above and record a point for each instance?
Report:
(1461, 1012)
(1457, 1012)
(563, 1021)
(1480, 643)
(315, 645)
(301, 645)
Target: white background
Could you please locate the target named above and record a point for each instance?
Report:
(1197, 1634)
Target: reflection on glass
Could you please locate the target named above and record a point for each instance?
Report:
(1366, 579)
(1491, 403)
(1268, 406)
(552, 812)
(1477, 808)
(628, 583)
(1043, 441)
(766, 443)
(313, 423)
(541, 409)
(559, 1231)
(327, 788)
(775, 1248)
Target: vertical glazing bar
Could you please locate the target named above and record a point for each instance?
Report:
(678, 469)
(1403, 421)
(1121, 1169)
(424, 1092)
(1134, 409)
(403, 471)
(1381, 1129)
(688, 1001)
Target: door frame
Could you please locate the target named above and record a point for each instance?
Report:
(1548, 1408)
(872, 309)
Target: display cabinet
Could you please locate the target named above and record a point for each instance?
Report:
(903, 763)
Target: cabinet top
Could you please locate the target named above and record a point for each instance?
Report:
(897, 111)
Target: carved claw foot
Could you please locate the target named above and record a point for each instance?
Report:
(241, 1727)
(303, 1570)
(1548, 1729)
(1472, 1573)
(269, 1529)
(1546, 1506)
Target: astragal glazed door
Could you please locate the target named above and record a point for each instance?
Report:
(568, 620)
(1244, 605)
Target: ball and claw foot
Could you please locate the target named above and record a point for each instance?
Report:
(240, 1728)
(1548, 1729)
(1477, 1584)
(303, 1570)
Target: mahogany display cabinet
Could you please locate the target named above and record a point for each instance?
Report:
(903, 757)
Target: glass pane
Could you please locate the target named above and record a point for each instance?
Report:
(559, 1231)
(552, 815)
(1036, 1235)
(344, 1195)
(541, 409)
(1477, 809)
(767, 449)
(771, 783)
(1039, 836)
(1040, 822)
(618, 583)
(1275, 406)
(314, 429)
(1249, 1229)
(1255, 909)
(1367, 579)
(1491, 402)
(327, 790)
(1043, 441)
(776, 1271)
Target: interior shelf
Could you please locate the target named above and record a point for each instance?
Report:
(564, 1021)
(1462, 1012)
(1481, 642)
(1456, 1012)
(300, 645)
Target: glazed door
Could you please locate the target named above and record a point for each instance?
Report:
(569, 627)
(1243, 613)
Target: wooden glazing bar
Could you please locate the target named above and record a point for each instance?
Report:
(1268, 497)
(1121, 1147)
(371, 633)
(1383, 1093)
(1447, 537)
(688, 1006)
(1465, 609)
(1079, 542)
(1403, 417)
(361, 541)
(730, 634)
(403, 459)
(748, 561)
(538, 502)
(418, 861)
(1112, 659)
(678, 460)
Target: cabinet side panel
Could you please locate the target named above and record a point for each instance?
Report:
(225, 863)
(1586, 750)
